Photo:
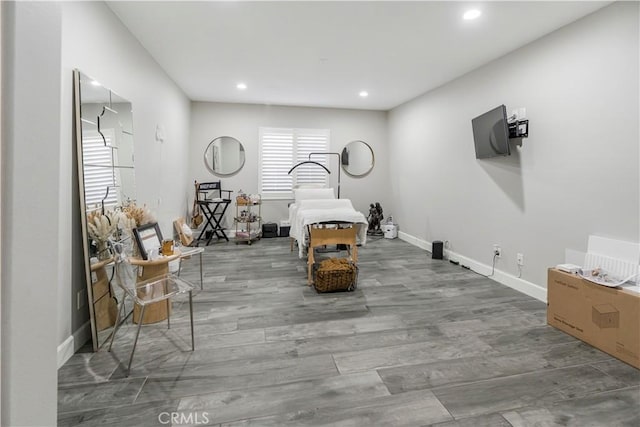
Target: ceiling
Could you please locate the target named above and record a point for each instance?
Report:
(323, 54)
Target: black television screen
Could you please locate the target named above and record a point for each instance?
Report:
(491, 133)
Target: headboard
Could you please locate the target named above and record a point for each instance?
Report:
(313, 194)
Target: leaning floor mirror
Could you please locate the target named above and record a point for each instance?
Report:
(106, 183)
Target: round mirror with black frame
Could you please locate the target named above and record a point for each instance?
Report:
(224, 156)
(357, 159)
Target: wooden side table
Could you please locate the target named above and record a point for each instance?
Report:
(330, 236)
(148, 269)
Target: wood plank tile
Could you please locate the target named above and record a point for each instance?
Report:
(407, 409)
(333, 328)
(614, 408)
(98, 395)
(139, 415)
(194, 379)
(237, 405)
(541, 387)
(490, 420)
(409, 354)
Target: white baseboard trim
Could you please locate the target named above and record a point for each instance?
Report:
(65, 351)
(73, 343)
(519, 284)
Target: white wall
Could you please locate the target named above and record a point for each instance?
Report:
(30, 215)
(242, 121)
(576, 174)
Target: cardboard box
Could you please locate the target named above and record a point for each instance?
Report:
(606, 318)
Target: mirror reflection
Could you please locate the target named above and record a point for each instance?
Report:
(106, 175)
(224, 156)
(357, 158)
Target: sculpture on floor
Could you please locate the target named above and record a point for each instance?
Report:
(375, 219)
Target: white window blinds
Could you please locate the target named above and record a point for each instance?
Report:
(281, 149)
(98, 171)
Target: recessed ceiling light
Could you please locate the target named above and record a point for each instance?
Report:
(364, 94)
(241, 86)
(95, 83)
(471, 14)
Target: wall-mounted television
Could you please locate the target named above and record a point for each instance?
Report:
(491, 133)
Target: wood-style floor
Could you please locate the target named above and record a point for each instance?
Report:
(420, 342)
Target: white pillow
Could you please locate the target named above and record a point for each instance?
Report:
(186, 230)
(313, 193)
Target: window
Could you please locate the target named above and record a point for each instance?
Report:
(98, 171)
(283, 148)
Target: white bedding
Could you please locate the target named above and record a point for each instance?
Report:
(306, 193)
(307, 212)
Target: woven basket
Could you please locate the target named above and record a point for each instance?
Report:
(334, 275)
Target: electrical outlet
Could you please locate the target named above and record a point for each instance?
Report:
(520, 259)
(496, 250)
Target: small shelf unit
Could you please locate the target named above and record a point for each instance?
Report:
(248, 219)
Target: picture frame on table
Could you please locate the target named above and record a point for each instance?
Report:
(148, 238)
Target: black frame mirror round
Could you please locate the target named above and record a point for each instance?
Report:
(224, 156)
(357, 159)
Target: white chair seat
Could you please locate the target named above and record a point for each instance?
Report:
(158, 289)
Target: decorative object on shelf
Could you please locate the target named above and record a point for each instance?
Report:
(133, 216)
(141, 215)
(149, 240)
(167, 247)
(100, 228)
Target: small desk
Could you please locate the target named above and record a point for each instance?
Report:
(213, 210)
(153, 268)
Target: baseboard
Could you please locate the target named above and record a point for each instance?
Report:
(533, 290)
(65, 351)
(73, 343)
(423, 244)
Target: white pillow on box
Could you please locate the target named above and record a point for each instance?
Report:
(313, 194)
(186, 230)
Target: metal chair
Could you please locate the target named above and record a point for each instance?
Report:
(187, 251)
(157, 289)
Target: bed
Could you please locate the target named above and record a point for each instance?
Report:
(317, 219)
